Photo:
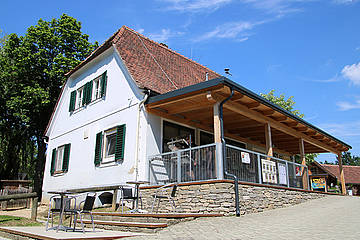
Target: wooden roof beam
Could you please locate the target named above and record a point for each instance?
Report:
(280, 126)
(268, 112)
(253, 105)
(187, 108)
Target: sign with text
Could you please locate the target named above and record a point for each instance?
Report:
(318, 183)
(245, 157)
(268, 171)
(282, 174)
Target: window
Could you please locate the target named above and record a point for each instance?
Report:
(173, 132)
(79, 101)
(91, 91)
(110, 145)
(96, 88)
(208, 138)
(60, 159)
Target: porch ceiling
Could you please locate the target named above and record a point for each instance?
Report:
(245, 117)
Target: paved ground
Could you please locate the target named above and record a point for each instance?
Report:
(333, 217)
(99, 233)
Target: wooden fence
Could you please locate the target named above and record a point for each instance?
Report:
(34, 201)
(18, 203)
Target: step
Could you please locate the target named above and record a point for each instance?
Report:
(169, 218)
(159, 215)
(125, 226)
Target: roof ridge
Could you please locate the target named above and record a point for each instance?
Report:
(170, 50)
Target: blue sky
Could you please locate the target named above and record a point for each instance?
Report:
(309, 49)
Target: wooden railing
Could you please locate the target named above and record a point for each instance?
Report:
(34, 201)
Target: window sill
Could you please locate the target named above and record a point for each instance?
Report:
(85, 106)
(109, 164)
(58, 173)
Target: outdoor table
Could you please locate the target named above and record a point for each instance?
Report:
(63, 195)
(137, 186)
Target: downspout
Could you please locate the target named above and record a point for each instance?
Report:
(141, 104)
(236, 180)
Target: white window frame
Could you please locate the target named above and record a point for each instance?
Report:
(79, 97)
(96, 91)
(108, 158)
(60, 151)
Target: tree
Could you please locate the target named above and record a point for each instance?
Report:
(32, 69)
(288, 105)
(348, 159)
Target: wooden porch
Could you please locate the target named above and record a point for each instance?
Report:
(247, 117)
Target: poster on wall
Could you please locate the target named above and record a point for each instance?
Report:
(282, 174)
(245, 157)
(298, 171)
(318, 183)
(269, 172)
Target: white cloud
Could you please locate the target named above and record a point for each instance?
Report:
(164, 35)
(344, 1)
(352, 72)
(231, 30)
(141, 30)
(348, 129)
(345, 106)
(196, 5)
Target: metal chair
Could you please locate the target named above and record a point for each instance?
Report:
(88, 205)
(55, 208)
(127, 195)
(162, 193)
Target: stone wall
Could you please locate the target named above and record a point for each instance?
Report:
(219, 197)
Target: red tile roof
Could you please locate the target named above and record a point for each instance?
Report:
(152, 65)
(351, 173)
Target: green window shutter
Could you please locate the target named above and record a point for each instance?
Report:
(72, 101)
(65, 166)
(90, 87)
(120, 143)
(97, 159)
(103, 83)
(53, 157)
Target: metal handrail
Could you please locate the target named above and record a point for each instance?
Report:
(266, 156)
(180, 151)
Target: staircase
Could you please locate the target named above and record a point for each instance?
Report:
(140, 222)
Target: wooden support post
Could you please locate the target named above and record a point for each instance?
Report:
(303, 162)
(269, 148)
(219, 168)
(342, 176)
(217, 127)
(34, 205)
(114, 199)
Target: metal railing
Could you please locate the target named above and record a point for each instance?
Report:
(186, 165)
(255, 167)
(198, 163)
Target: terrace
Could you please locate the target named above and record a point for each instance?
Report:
(239, 135)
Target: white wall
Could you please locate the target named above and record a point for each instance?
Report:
(119, 106)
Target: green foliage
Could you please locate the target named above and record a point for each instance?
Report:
(288, 105)
(32, 69)
(348, 159)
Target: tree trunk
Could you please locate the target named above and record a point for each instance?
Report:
(39, 166)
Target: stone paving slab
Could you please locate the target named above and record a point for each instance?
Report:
(41, 233)
(332, 217)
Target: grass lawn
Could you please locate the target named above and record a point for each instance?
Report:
(11, 221)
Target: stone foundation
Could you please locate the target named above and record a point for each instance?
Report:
(219, 197)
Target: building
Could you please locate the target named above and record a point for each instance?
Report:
(137, 110)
